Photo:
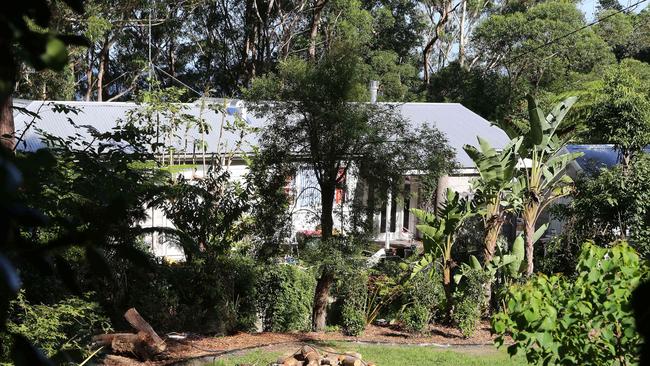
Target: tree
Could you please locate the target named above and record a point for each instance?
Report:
(24, 38)
(493, 189)
(620, 114)
(544, 180)
(319, 123)
(514, 43)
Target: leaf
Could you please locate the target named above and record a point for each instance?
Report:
(475, 264)
(537, 122)
(539, 232)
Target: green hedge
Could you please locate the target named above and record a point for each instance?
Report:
(285, 295)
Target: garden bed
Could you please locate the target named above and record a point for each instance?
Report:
(198, 346)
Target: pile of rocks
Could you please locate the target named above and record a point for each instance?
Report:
(311, 356)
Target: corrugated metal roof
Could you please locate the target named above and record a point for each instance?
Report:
(595, 156)
(460, 125)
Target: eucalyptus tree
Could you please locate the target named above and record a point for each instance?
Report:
(620, 114)
(544, 179)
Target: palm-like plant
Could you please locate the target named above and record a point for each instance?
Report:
(439, 231)
(544, 180)
(493, 192)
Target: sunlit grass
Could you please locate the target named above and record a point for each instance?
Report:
(388, 355)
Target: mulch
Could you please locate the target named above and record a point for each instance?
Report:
(195, 346)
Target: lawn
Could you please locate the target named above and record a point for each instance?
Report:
(388, 355)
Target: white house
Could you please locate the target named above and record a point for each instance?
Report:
(460, 126)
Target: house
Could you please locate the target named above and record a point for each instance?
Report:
(460, 125)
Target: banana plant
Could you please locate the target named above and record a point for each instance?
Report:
(439, 233)
(493, 193)
(513, 262)
(544, 180)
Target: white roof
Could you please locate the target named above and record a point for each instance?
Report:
(460, 125)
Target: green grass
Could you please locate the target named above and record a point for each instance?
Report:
(384, 355)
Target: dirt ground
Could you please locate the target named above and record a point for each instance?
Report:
(195, 346)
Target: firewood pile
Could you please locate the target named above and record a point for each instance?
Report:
(311, 356)
(144, 345)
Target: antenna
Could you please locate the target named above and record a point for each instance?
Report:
(149, 44)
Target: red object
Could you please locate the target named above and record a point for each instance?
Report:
(339, 195)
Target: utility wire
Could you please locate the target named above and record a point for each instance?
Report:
(176, 79)
(577, 30)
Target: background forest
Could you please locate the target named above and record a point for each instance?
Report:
(72, 255)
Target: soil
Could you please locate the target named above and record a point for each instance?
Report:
(195, 346)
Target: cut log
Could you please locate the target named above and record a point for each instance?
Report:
(330, 361)
(113, 360)
(106, 339)
(351, 361)
(309, 353)
(155, 343)
(291, 361)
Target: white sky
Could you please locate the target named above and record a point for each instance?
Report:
(589, 6)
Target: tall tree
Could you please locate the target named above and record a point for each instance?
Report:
(320, 124)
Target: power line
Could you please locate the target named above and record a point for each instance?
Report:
(176, 79)
(577, 30)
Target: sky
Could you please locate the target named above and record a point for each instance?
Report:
(589, 6)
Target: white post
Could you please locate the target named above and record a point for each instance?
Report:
(388, 209)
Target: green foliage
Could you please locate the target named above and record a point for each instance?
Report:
(584, 320)
(285, 298)
(425, 290)
(621, 113)
(353, 320)
(469, 300)
(611, 204)
(415, 318)
(62, 330)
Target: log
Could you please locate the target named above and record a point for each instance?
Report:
(291, 361)
(106, 339)
(113, 360)
(309, 354)
(330, 361)
(351, 361)
(153, 340)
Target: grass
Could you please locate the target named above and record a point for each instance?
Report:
(384, 355)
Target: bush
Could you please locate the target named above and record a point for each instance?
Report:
(415, 318)
(285, 298)
(217, 295)
(584, 321)
(425, 289)
(354, 321)
(61, 330)
(469, 301)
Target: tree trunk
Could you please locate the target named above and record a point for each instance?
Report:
(7, 128)
(530, 233)
(8, 75)
(446, 281)
(490, 243)
(319, 314)
(321, 300)
(461, 43)
(315, 23)
(103, 65)
(327, 207)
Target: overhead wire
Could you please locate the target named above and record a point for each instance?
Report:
(577, 30)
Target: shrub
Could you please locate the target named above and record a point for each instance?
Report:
(285, 298)
(415, 318)
(354, 321)
(425, 289)
(61, 330)
(469, 301)
(585, 321)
